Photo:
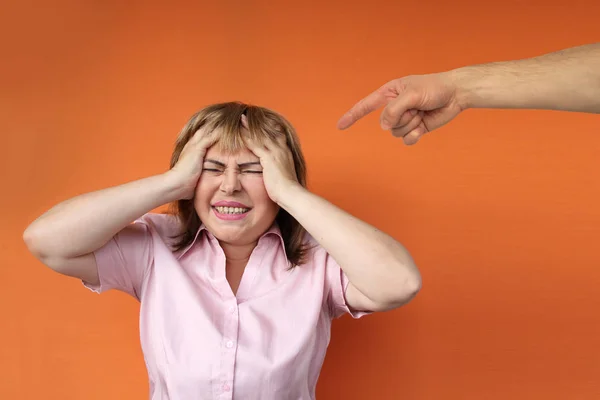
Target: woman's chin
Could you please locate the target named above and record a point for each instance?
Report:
(236, 232)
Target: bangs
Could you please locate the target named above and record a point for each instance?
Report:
(225, 119)
(231, 132)
(230, 139)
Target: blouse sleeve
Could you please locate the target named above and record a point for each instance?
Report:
(337, 283)
(124, 261)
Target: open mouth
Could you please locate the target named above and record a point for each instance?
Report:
(231, 210)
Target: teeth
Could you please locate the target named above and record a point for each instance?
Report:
(232, 210)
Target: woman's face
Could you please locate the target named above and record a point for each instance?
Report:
(231, 199)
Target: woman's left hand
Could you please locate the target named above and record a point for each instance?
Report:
(279, 173)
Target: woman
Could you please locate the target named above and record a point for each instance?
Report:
(239, 285)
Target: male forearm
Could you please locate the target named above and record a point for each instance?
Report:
(566, 80)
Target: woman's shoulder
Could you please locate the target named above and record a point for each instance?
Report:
(313, 248)
(163, 224)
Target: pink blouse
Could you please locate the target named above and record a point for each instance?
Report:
(200, 341)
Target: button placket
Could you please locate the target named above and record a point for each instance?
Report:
(229, 348)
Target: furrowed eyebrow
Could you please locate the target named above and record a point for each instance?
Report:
(242, 165)
(220, 164)
(248, 164)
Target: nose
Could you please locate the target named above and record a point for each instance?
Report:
(231, 182)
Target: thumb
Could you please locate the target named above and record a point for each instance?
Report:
(395, 114)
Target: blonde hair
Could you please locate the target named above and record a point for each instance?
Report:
(263, 124)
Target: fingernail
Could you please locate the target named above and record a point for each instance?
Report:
(385, 125)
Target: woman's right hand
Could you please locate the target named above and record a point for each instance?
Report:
(188, 168)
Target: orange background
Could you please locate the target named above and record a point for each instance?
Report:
(499, 208)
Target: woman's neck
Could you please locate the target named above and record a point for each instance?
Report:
(237, 254)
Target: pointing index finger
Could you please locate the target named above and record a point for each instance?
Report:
(364, 107)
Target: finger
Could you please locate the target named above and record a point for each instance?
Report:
(208, 139)
(199, 135)
(438, 118)
(365, 106)
(394, 113)
(415, 135)
(276, 144)
(282, 140)
(257, 148)
(409, 126)
(245, 121)
(405, 118)
(193, 142)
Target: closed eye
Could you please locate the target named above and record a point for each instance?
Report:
(211, 169)
(253, 172)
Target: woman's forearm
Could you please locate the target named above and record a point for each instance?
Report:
(375, 263)
(85, 223)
